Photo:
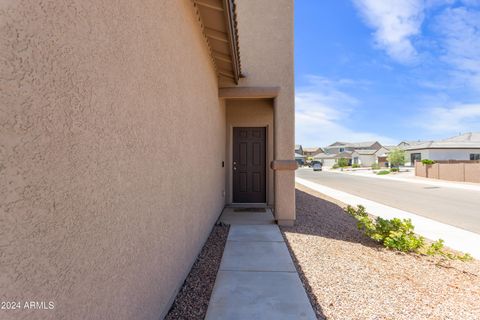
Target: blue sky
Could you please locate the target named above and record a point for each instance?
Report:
(387, 70)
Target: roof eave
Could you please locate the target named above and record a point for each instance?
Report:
(231, 21)
(218, 21)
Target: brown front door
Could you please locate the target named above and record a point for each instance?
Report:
(249, 162)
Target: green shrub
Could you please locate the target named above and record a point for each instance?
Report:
(428, 161)
(342, 162)
(335, 166)
(394, 170)
(383, 172)
(355, 165)
(398, 234)
(437, 248)
(375, 166)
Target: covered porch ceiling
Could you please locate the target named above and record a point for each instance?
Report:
(219, 25)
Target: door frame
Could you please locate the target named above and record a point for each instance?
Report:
(267, 162)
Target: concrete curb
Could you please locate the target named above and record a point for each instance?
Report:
(433, 182)
(455, 238)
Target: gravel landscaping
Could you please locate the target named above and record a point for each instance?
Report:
(349, 276)
(192, 300)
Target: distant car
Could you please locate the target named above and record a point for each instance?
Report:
(317, 167)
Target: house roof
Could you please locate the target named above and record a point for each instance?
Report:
(298, 146)
(311, 149)
(470, 140)
(390, 147)
(338, 143)
(363, 144)
(370, 152)
(366, 151)
(413, 142)
(219, 23)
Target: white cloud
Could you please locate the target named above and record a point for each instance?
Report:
(460, 30)
(450, 120)
(395, 23)
(322, 112)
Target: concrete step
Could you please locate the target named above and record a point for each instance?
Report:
(233, 216)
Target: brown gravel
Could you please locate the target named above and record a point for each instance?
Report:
(192, 300)
(348, 276)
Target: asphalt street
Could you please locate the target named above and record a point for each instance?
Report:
(456, 207)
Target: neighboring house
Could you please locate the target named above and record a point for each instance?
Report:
(328, 160)
(462, 147)
(298, 149)
(346, 150)
(99, 99)
(310, 152)
(368, 157)
(338, 147)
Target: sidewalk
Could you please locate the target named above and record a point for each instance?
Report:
(257, 278)
(411, 178)
(455, 238)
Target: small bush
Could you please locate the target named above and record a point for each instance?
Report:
(355, 165)
(398, 234)
(375, 166)
(342, 162)
(335, 166)
(394, 170)
(428, 161)
(383, 172)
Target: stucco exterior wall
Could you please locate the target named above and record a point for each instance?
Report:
(472, 173)
(249, 113)
(451, 154)
(367, 160)
(266, 53)
(433, 171)
(463, 171)
(442, 154)
(99, 99)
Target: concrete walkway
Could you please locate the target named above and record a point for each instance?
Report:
(257, 278)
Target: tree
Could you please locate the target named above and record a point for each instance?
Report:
(342, 162)
(396, 158)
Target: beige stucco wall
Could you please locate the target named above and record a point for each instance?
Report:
(366, 160)
(266, 53)
(249, 113)
(469, 172)
(442, 154)
(100, 212)
(472, 172)
(433, 171)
